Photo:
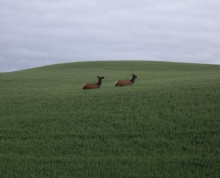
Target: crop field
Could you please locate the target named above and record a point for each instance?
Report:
(167, 124)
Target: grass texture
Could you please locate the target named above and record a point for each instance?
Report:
(166, 125)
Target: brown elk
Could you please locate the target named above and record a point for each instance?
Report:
(93, 85)
(126, 82)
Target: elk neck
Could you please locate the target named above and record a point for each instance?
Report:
(133, 79)
(99, 82)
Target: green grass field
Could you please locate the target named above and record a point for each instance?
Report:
(166, 125)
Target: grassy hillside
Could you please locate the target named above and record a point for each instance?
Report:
(165, 125)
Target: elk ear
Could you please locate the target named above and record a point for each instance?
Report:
(97, 76)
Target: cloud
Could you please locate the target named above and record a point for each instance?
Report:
(35, 33)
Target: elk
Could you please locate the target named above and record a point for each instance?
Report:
(93, 85)
(126, 82)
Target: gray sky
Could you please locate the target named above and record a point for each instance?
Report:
(42, 32)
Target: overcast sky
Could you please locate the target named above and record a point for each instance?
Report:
(42, 32)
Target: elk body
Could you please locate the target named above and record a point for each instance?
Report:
(93, 85)
(126, 82)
